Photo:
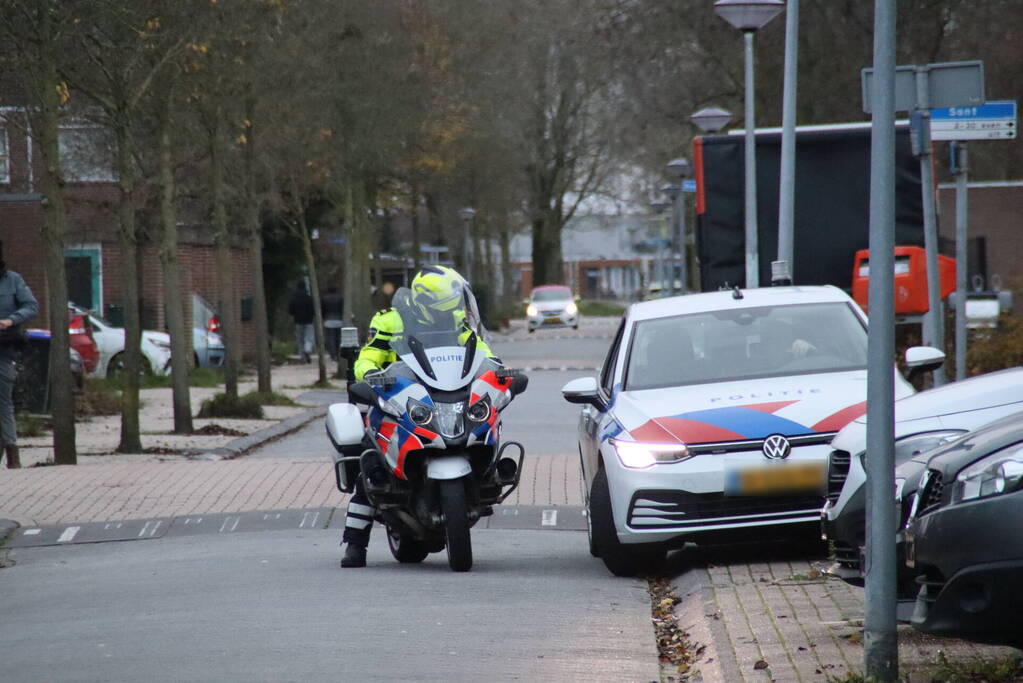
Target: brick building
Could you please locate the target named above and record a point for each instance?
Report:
(93, 255)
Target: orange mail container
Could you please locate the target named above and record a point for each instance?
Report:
(910, 279)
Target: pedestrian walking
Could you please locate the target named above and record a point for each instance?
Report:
(17, 305)
(332, 306)
(300, 308)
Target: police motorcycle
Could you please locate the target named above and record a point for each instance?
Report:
(426, 440)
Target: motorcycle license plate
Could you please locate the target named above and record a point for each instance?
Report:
(783, 478)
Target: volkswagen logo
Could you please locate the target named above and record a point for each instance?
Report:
(776, 447)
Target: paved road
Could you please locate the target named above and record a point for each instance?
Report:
(274, 606)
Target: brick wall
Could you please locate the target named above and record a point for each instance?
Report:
(23, 248)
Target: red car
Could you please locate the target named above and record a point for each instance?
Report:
(82, 341)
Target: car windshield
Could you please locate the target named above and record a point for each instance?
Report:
(552, 294)
(748, 343)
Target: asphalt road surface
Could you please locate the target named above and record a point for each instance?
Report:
(274, 606)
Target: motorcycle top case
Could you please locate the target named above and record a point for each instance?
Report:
(345, 429)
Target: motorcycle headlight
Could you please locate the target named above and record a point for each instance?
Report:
(639, 456)
(420, 413)
(571, 308)
(531, 311)
(997, 474)
(908, 447)
(449, 419)
(479, 411)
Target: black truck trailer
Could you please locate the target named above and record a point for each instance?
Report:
(832, 204)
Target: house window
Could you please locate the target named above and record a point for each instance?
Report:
(5, 160)
(87, 154)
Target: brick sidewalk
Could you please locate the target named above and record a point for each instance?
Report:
(782, 620)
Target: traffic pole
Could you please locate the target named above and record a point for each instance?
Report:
(962, 176)
(880, 641)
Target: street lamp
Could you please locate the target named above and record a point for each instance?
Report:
(748, 16)
(681, 169)
(711, 119)
(467, 214)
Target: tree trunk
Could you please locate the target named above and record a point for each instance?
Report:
(225, 279)
(181, 337)
(259, 311)
(417, 251)
(314, 286)
(62, 404)
(131, 441)
(507, 294)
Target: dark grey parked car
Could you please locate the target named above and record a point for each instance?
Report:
(964, 539)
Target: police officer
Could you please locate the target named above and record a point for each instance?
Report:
(434, 288)
(17, 305)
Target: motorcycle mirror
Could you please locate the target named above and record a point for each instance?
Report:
(519, 384)
(362, 392)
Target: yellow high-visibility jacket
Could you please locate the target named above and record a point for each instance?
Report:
(377, 354)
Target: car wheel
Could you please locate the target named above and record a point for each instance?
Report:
(532, 330)
(620, 559)
(116, 366)
(575, 327)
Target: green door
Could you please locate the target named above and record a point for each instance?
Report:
(84, 282)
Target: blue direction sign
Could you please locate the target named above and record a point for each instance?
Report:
(689, 186)
(988, 121)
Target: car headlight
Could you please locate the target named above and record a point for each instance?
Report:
(571, 308)
(420, 413)
(1001, 472)
(639, 456)
(531, 311)
(908, 447)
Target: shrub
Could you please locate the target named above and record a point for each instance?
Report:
(600, 308)
(30, 425)
(270, 398)
(998, 348)
(101, 397)
(224, 405)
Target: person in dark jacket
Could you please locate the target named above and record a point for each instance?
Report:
(17, 305)
(332, 306)
(300, 308)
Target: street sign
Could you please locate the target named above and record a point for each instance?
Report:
(989, 121)
(949, 84)
(689, 186)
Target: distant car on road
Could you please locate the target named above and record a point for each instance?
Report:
(207, 344)
(923, 422)
(963, 537)
(155, 347)
(552, 306)
(713, 413)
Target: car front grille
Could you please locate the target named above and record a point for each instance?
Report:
(683, 510)
(930, 495)
(838, 470)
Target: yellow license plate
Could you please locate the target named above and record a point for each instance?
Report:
(781, 479)
(553, 320)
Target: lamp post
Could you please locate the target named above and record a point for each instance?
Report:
(467, 214)
(681, 169)
(748, 16)
(659, 205)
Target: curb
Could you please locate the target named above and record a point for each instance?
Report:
(698, 616)
(243, 444)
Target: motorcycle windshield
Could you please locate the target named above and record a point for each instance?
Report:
(438, 337)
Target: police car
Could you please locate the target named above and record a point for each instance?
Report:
(713, 413)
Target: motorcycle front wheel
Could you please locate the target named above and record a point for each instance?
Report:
(405, 549)
(456, 524)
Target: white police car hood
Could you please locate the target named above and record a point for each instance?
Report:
(746, 409)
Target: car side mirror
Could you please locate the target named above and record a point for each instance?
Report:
(583, 390)
(920, 359)
(362, 392)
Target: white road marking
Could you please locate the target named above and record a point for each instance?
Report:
(549, 518)
(116, 525)
(307, 522)
(150, 527)
(272, 516)
(69, 534)
(193, 520)
(230, 521)
(31, 532)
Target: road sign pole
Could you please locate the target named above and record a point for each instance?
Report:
(787, 192)
(683, 247)
(752, 238)
(962, 170)
(933, 333)
(880, 642)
